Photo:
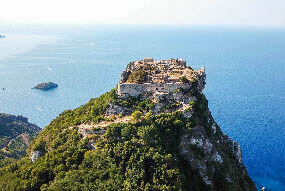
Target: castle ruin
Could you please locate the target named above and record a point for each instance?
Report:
(159, 76)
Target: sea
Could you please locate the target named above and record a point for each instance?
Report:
(245, 69)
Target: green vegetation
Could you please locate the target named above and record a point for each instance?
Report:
(12, 143)
(135, 103)
(183, 79)
(191, 105)
(138, 76)
(134, 156)
(137, 115)
(90, 112)
(144, 154)
(177, 90)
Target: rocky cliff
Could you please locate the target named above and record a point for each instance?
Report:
(156, 141)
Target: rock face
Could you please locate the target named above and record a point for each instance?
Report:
(16, 134)
(45, 86)
(34, 155)
(216, 158)
(114, 109)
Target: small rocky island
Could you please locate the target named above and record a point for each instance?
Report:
(46, 86)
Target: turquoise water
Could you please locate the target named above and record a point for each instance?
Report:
(245, 77)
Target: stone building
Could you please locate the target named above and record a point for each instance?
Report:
(160, 76)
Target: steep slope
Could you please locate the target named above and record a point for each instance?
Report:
(154, 141)
(15, 136)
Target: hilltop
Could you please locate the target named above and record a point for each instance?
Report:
(162, 76)
(153, 132)
(16, 134)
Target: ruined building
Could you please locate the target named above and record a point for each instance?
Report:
(159, 76)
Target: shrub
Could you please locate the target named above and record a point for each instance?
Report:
(192, 103)
(177, 90)
(136, 115)
(183, 79)
(137, 77)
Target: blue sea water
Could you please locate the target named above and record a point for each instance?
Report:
(245, 77)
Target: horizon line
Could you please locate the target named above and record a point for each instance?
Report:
(65, 24)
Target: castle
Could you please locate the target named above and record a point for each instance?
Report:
(158, 76)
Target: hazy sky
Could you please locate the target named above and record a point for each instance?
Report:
(198, 12)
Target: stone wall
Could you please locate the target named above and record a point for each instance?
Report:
(134, 90)
(128, 89)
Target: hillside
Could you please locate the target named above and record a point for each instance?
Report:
(160, 139)
(15, 136)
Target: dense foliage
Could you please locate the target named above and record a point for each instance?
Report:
(142, 155)
(12, 144)
(10, 125)
(132, 157)
(138, 76)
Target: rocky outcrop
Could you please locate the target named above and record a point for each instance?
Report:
(124, 76)
(214, 156)
(201, 79)
(45, 86)
(115, 109)
(34, 155)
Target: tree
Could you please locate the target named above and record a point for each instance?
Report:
(138, 77)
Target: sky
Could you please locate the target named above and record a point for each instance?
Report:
(265, 13)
